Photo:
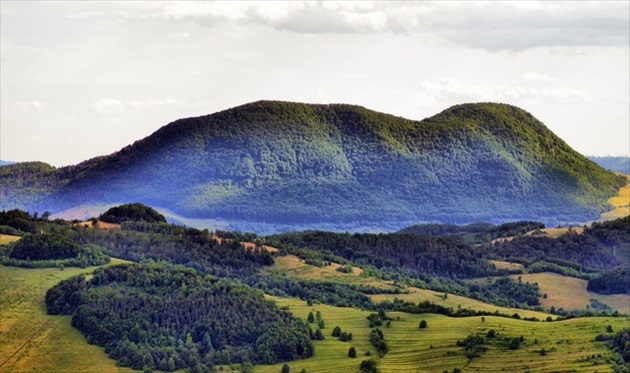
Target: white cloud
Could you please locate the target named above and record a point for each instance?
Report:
(108, 106)
(28, 105)
(86, 14)
(489, 25)
(37, 104)
(537, 77)
(451, 89)
(183, 35)
(151, 103)
(112, 106)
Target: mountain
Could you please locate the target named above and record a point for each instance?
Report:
(5, 163)
(340, 165)
(615, 164)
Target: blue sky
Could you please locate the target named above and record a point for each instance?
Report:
(82, 79)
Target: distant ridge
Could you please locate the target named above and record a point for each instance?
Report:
(615, 164)
(313, 165)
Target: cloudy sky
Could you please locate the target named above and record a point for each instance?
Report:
(81, 79)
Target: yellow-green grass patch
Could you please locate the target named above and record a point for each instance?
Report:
(417, 295)
(545, 232)
(620, 203)
(567, 292)
(557, 232)
(33, 341)
(7, 239)
(249, 245)
(295, 267)
(99, 225)
(569, 343)
(507, 265)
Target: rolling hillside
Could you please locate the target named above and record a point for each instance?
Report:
(334, 165)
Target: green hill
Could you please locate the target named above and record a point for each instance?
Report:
(291, 163)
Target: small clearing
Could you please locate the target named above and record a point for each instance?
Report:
(6, 239)
(507, 265)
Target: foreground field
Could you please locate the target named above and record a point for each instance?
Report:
(31, 340)
(569, 292)
(569, 345)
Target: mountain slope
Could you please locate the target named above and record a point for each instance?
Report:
(280, 162)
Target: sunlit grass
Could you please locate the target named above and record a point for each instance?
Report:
(621, 204)
(570, 344)
(7, 239)
(33, 341)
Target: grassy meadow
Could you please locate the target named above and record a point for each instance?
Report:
(33, 341)
(569, 344)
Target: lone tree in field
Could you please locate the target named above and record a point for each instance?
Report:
(321, 324)
(423, 324)
(368, 366)
(515, 344)
(318, 336)
(310, 318)
(352, 352)
(285, 369)
(336, 331)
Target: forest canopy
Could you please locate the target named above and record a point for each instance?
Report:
(174, 318)
(132, 212)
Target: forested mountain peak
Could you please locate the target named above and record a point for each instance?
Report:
(338, 165)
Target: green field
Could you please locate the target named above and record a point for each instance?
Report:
(31, 340)
(570, 344)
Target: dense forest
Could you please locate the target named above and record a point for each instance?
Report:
(475, 232)
(157, 317)
(330, 165)
(52, 250)
(601, 246)
(132, 212)
(421, 255)
(616, 281)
